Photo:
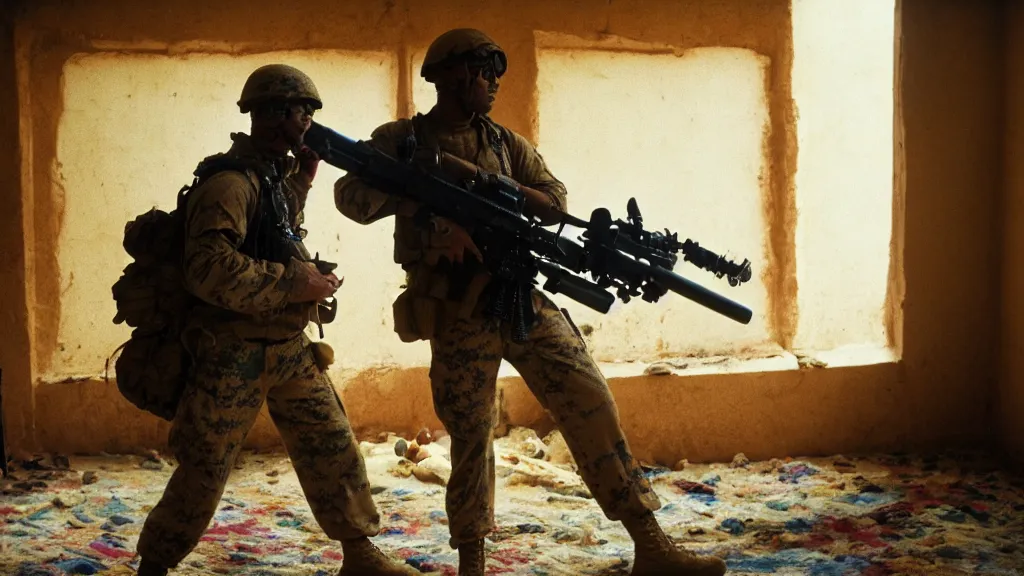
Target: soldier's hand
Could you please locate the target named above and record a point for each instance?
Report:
(427, 157)
(309, 161)
(309, 285)
(451, 241)
(333, 279)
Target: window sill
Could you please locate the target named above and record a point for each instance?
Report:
(843, 357)
(779, 361)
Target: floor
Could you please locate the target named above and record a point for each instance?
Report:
(955, 514)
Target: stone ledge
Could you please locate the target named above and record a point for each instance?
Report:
(701, 417)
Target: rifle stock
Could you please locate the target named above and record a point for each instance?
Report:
(615, 254)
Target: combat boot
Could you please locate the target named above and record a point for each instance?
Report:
(363, 558)
(151, 569)
(656, 555)
(471, 558)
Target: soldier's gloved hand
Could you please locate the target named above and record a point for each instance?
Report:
(309, 285)
(451, 241)
(427, 157)
(309, 161)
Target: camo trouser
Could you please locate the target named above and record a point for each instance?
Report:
(559, 371)
(232, 379)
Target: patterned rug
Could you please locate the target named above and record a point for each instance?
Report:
(954, 514)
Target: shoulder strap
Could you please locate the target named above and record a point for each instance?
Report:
(497, 141)
(406, 147)
(222, 162)
(255, 172)
(415, 122)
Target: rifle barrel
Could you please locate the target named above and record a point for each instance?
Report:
(319, 138)
(393, 176)
(701, 295)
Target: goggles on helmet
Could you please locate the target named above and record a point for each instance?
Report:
(492, 64)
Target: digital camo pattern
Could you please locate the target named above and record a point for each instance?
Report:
(562, 375)
(467, 349)
(232, 379)
(248, 295)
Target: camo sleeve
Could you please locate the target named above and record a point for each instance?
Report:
(217, 217)
(356, 199)
(529, 169)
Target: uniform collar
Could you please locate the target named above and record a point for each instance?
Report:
(242, 147)
(474, 122)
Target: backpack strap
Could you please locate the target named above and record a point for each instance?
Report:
(215, 164)
(254, 170)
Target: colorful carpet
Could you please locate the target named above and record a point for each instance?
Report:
(875, 516)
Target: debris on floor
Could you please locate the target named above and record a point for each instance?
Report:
(954, 514)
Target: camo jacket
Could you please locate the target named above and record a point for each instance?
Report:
(459, 286)
(246, 296)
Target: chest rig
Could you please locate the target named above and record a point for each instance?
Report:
(508, 296)
(270, 235)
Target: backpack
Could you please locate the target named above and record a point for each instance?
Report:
(151, 297)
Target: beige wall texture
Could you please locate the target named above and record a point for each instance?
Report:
(690, 106)
(843, 88)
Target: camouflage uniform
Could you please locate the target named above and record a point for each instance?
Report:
(444, 305)
(248, 345)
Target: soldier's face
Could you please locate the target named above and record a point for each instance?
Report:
(483, 89)
(485, 67)
(297, 119)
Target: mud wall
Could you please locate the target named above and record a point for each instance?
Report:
(947, 213)
(1011, 393)
(15, 349)
(951, 100)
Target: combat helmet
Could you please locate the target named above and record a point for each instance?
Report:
(474, 46)
(278, 82)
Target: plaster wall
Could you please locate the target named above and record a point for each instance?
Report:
(684, 135)
(842, 85)
(928, 396)
(155, 117)
(186, 103)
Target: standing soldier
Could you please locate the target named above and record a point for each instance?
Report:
(446, 294)
(255, 293)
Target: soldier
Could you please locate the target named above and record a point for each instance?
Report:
(255, 293)
(444, 300)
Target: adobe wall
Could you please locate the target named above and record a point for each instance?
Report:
(938, 393)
